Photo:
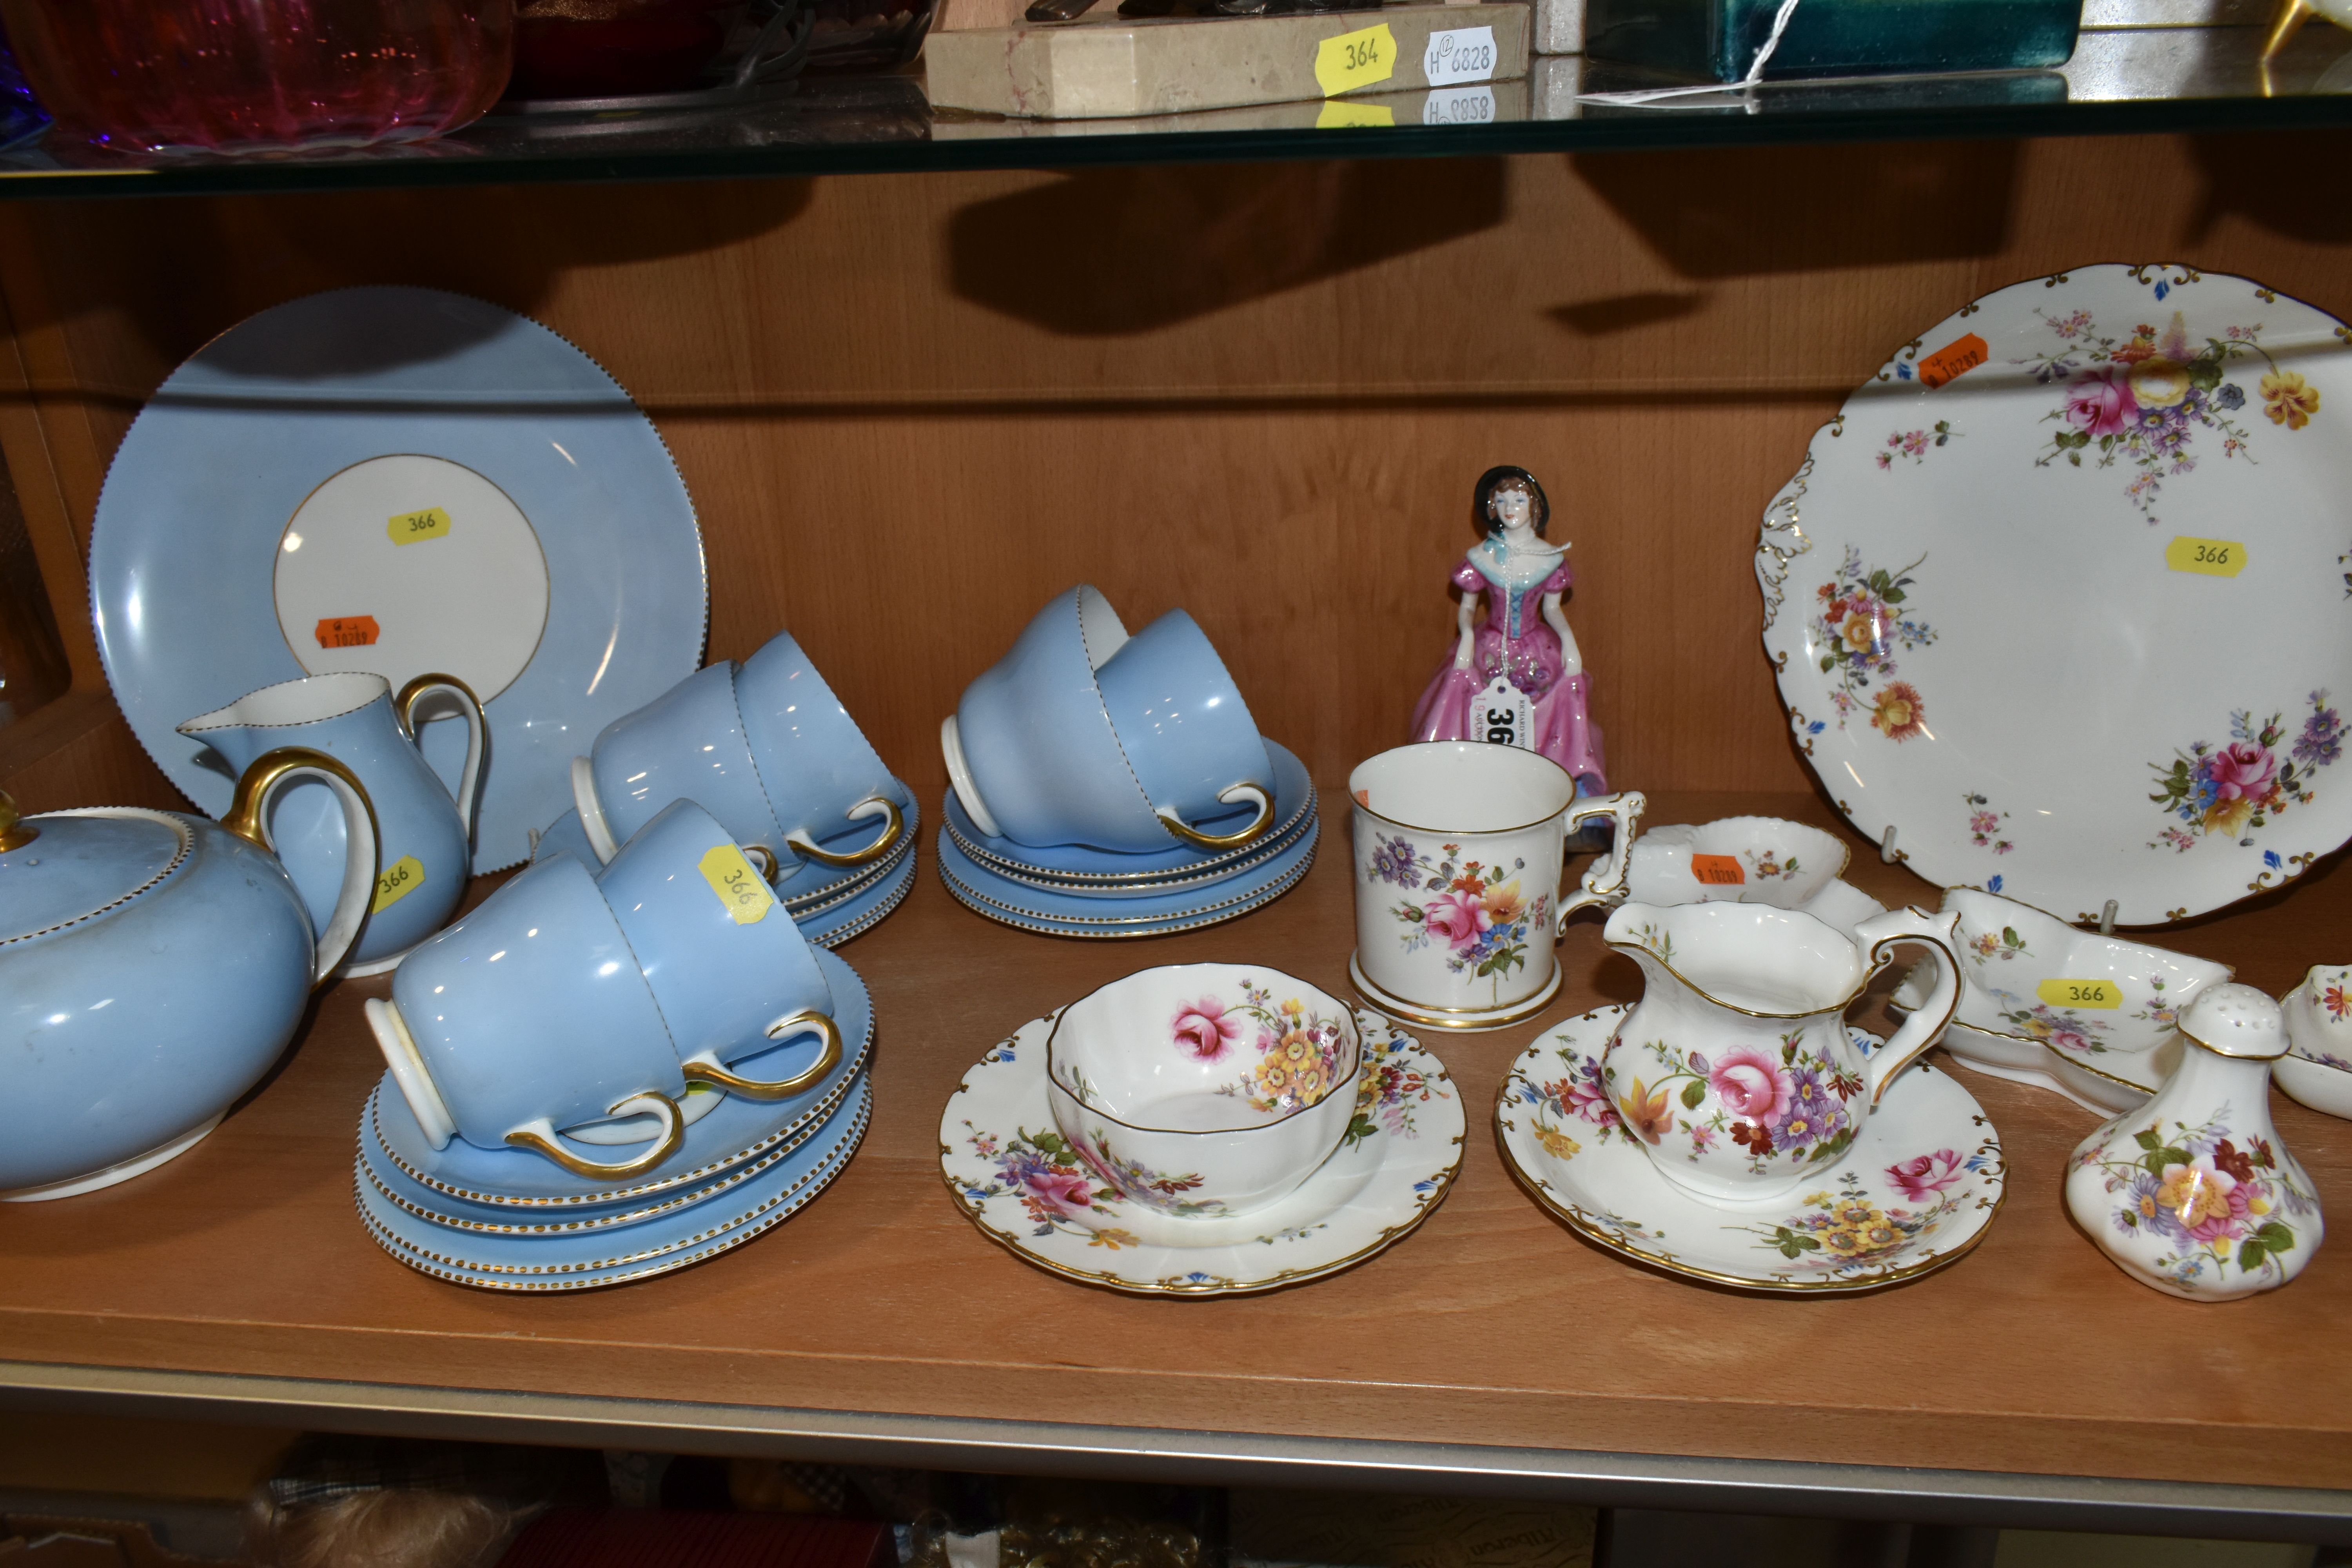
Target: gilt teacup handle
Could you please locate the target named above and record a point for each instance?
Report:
(540, 1138)
(1232, 795)
(806, 1020)
(893, 827)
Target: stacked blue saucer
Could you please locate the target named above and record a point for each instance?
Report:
(506, 1219)
(1071, 889)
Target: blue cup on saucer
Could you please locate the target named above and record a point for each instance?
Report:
(424, 838)
(730, 972)
(1188, 736)
(1030, 748)
(767, 749)
(529, 1015)
(822, 775)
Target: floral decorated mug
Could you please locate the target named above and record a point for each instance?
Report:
(1204, 1089)
(1459, 848)
(1736, 1069)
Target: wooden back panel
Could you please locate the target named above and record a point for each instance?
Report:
(912, 407)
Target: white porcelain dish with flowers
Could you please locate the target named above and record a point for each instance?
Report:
(2318, 1067)
(1912, 1192)
(2059, 595)
(1052, 1203)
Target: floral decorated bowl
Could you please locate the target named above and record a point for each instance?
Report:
(1739, 859)
(1203, 1089)
(2317, 1066)
(2030, 976)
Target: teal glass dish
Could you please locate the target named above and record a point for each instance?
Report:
(1718, 41)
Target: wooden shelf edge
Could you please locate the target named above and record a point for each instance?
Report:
(1231, 1459)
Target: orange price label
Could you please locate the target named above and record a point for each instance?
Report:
(349, 631)
(1718, 870)
(1953, 360)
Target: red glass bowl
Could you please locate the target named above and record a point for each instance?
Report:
(230, 76)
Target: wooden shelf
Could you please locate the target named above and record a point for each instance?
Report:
(882, 1311)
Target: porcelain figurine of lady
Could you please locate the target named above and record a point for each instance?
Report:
(1517, 677)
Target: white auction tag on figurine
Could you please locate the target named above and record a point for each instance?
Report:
(1459, 106)
(1501, 713)
(1459, 54)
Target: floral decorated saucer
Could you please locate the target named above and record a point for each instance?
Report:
(1023, 1185)
(1914, 1193)
(2057, 597)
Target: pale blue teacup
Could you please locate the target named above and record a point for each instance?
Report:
(1030, 748)
(837, 803)
(529, 1015)
(730, 972)
(424, 838)
(767, 749)
(1188, 736)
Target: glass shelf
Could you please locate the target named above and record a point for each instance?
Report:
(2119, 80)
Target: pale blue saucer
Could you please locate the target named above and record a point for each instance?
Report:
(734, 1130)
(831, 928)
(584, 1261)
(1018, 904)
(1293, 799)
(183, 552)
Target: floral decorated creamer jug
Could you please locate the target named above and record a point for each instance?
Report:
(1736, 1069)
(2192, 1193)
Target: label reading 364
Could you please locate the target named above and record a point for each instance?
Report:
(1354, 60)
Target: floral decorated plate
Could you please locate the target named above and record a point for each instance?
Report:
(1015, 1178)
(1914, 1193)
(2059, 595)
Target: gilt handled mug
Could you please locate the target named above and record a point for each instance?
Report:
(1461, 889)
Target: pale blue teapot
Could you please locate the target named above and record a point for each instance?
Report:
(152, 966)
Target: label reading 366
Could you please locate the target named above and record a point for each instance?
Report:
(410, 527)
(2080, 993)
(743, 893)
(2210, 557)
(399, 879)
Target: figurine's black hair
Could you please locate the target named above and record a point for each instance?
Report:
(1492, 481)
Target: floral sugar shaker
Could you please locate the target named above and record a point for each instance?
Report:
(2192, 1193)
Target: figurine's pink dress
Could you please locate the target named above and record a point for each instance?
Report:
(1514, 640)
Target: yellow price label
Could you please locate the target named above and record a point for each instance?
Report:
(399, 879)
(1340, 116)
(740, 891)
(414, 527)
(1356, 59)
(2080, 993)
(2213, 557)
